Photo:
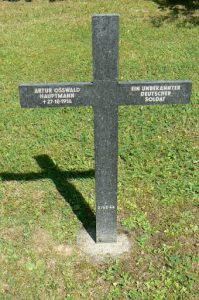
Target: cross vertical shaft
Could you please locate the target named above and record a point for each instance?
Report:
(105, 120)
(105, 47)
(105, 65)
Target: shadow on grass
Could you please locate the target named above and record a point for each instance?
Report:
(185, 9)
(62, 182)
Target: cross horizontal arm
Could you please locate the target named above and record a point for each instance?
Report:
(154, 92)
(56, 94)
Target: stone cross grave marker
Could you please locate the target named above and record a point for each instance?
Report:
(105, 94)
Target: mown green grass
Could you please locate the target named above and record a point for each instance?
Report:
(157, 163)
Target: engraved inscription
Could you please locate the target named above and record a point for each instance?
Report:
(105, 207)
(155, 93)
(57, 95)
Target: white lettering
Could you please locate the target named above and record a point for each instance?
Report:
(67, 90)
(43, 90)
(154, 99)
(135, 88)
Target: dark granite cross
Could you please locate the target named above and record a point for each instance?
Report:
(105, 94)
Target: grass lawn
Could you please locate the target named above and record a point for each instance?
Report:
(47, 188)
